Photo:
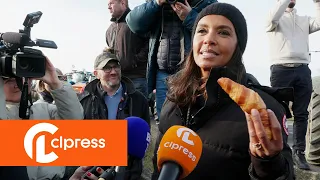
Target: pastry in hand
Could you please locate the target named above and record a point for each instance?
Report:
(247, 99)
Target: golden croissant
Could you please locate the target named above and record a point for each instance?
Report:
(247, 99)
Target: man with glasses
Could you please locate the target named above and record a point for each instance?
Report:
(113, 96)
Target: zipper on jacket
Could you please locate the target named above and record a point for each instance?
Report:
(197, 4)
(130, 108)
(115, 39)
(190, 121)
(93, 107)
(181, 117)
(119, 109)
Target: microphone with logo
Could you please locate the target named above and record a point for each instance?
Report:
(139, 138)
(179, 152)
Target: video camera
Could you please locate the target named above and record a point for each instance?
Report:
(16, 59)
(19, 61)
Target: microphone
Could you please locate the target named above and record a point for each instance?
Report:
(179, 152)
(93, 170)
(109, 174)
(15, 38)
(139, 138)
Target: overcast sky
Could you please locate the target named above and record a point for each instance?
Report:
(78, 28)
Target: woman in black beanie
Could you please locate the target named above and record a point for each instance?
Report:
(195, 100)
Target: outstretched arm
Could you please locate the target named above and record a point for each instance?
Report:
(275, 14)
(141, 19)
(314, 22)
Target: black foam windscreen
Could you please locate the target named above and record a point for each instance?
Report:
(15, 38)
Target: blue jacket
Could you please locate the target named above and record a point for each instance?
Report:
(145, 20)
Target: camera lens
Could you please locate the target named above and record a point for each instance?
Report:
(24, 64)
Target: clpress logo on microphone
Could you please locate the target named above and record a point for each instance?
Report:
(181, 145)
(63, 142)
(184, 143)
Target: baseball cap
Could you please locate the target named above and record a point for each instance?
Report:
(103, 58)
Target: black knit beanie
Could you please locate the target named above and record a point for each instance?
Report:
(231, 13)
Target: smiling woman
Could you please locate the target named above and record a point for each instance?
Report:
(213, 43)
(196, 100)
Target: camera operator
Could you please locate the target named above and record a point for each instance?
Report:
(67, 106)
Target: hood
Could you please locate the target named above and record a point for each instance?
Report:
(294, 11)
(12, 110)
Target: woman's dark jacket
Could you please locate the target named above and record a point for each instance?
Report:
(222, 127)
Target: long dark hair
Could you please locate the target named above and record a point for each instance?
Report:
(187, 84)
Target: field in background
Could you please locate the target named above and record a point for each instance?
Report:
(147, 163)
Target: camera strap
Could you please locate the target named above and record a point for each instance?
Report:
(24, 108)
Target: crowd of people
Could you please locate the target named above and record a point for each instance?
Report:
(178, 51)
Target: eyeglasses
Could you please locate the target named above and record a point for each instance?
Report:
(108, 69)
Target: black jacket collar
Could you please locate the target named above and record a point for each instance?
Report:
(122, 18)
(215, 93)
(92, 88)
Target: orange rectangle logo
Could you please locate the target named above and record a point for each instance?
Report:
(63, 143)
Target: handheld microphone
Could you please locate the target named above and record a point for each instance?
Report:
(179, 152)
(109, 174)
(93, 170)
(139, 138)
(113, 173)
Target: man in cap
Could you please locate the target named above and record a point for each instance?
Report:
(113, 96)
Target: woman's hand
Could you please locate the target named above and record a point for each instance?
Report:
(260, 145)
(77, 175)
(51, 77)
(181, 9)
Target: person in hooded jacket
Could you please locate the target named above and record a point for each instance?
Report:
(234, 146)
(113, 96)
(9, 172)
(168, 23)
(67, 106)
(288, 34)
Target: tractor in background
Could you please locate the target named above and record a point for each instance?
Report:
(313, 131)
